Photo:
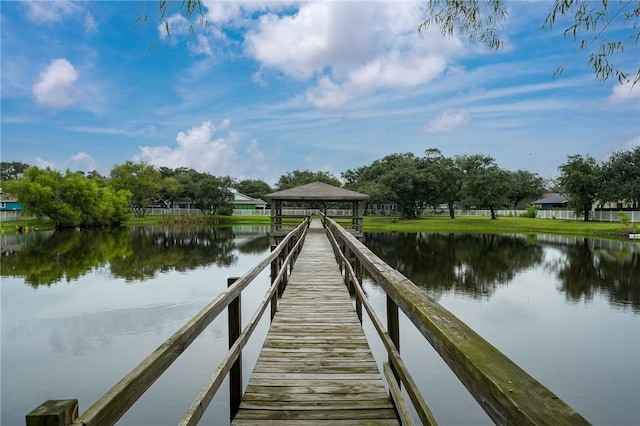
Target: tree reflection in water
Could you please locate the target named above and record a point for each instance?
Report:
(137, 253)
(476, 264)
(586, 270)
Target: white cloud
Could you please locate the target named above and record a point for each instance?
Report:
(199, 149)
(178, 25)
(329, 95)
(83, 161)
(43, 164)
(90, 24)
(352, 48)
(448, 122)
(51, 11)
(625, 92)
(145, 131)
(200, 47)
(56, 85)
(632, 143)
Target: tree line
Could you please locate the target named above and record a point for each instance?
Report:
(73, 199)
(412, 182)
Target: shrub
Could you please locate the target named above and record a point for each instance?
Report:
(531, 211)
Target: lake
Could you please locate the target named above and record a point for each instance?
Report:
(81, 309)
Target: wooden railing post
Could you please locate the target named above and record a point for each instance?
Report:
(393, 328)
(275, 270)
(54, 412)
(357, 267)
(235, 374)
(285, 275)
(347, 280)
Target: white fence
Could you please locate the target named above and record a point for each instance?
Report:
(596, 216)
(13, 215)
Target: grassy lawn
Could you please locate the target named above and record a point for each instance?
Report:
(478, 224)
(482, 224)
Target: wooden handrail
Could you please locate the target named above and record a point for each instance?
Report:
(402, 372)
(109, 408)
(200, 404)
(507, 393)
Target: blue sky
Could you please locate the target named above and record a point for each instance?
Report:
(270, 87)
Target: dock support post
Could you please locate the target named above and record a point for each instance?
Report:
(393, 328)
(235, 374)
(54, 412)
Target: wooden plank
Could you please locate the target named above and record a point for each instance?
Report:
(329, 414)
(281, 422)
(316, 365)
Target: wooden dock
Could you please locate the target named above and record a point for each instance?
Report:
(316, 366)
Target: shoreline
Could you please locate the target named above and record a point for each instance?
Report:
(465, 224)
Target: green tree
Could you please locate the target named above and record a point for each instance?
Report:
(142, 180)
(404, 182)
(69, 200)
(484, 185)
(621, 175)
(365, 180)
(604, 28)
(12, 170)
(525, 184)
(581, 179)
(303, 177)
(213, 194)
(448, 176)
(94, 174)
(254, 188)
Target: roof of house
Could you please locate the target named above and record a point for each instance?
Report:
(552, 199)
(317, 191)
(240, 198)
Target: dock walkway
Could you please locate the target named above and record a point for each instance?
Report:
(315, 366)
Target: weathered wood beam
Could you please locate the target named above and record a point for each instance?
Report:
(507, 393)
(54, 412)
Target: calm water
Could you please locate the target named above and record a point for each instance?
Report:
(81, 309)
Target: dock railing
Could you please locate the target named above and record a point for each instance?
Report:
(508, 394)
(109, 408)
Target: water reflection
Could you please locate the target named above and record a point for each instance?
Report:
(474, 265)
(477, 264)
(136, 253)
(586, 269)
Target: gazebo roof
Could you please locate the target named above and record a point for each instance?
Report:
(317, 191)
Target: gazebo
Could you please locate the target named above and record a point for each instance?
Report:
(318, 195)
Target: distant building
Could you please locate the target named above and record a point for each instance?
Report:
(244, 202)
(382, 208)
(182, 203)
(9, 203)
(552, 201)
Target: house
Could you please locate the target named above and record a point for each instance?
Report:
(382, 208)
(9, 203)
(183, 203)
(552, 201)
(244, 202)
